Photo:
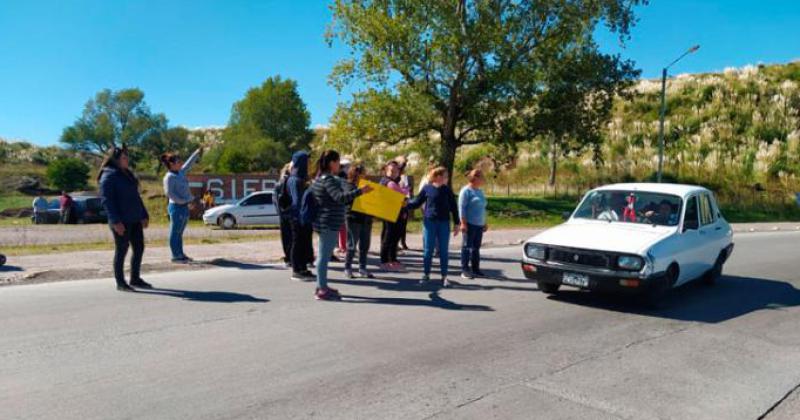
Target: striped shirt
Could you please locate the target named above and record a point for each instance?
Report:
(332, 201)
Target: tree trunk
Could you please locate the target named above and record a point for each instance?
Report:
(448, 153)
(553, 162)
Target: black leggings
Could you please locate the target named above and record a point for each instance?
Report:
(133, 237)
(286, 238)
(302, 251)
(390, 237)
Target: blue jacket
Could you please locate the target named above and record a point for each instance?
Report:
(440, 204)
(119, 194)
(296, 183)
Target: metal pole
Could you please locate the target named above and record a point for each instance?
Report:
(661, 123)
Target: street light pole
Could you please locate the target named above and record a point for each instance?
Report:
(664, 110)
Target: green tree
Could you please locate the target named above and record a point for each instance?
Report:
(68, 174)
(265, 127)
(457, 72)
(174, 139)
(114, 118)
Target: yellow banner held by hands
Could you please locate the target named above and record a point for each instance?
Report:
(382, 202)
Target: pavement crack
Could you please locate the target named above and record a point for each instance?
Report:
(779, 402)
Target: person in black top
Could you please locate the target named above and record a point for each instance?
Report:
(127, 215)
(283, 202)
(359, 228)
(440, 212)
(302, 252)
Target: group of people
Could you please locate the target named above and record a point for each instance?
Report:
(66, 206)
(320, 202)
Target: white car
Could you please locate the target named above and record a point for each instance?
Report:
(255, 209)
(633, 237)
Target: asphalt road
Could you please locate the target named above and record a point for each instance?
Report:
(246, 342)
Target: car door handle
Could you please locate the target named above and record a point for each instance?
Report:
(718, 228)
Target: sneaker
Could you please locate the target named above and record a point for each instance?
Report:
(365, 274)
(466, 275)
(125, 288)
(349, 273)
(141, 284)
(387, 267)
(327, 294)
(188, 259)
(425, 279)
(446, 283)
(181, 260)
(304, 277)
(287, 264)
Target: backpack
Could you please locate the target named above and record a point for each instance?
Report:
(308, 208)
(283, 199)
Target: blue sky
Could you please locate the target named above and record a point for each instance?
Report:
(193, 59)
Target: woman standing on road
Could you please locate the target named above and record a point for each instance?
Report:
(440, 205)
(127, 216)
(472, 208)
(390, 235)
(331, 200)
(302, 252)
(176, 188)
(359, 229)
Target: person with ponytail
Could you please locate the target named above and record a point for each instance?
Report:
(127, 215)
(176, 188)
(332, 199)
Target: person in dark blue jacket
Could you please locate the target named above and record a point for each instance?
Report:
(127, 215)
(302, 251)
(440, 207)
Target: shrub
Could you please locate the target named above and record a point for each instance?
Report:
(68, 174)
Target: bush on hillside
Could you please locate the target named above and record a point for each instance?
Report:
(68, 174)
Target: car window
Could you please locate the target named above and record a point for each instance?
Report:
(631, 206)
(690, 220)
(258, 200)
(706, 210)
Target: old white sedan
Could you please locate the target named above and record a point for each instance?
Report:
(255, 209)
(633, 237)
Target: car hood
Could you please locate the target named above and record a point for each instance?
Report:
(626, 238)
(219, 209)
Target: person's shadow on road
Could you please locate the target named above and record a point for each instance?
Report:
(434, 300)
(198, 296)
(730, 298)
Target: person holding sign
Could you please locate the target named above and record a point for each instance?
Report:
(359, 229)
(440, 206)
(392, 230)
(331, 202)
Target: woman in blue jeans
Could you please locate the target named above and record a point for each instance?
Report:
(332, 200)
(440, 207)
(472, 208)
(176, 188)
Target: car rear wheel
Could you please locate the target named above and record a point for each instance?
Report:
(548, 288)
(2, 260)
(227, 222)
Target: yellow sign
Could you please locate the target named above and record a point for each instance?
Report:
(382, 202)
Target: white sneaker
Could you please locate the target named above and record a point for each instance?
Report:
(467, 276)
(446, 283)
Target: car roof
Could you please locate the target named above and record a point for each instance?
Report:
(682, 190)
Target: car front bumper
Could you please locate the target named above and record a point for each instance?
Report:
(210, 219)
(599, 279)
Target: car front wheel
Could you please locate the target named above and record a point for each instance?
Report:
(548, 288)
(2, 260)
(227, 222)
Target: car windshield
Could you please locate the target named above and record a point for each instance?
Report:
(631, 207)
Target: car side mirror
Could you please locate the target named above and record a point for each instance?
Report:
(566, 215)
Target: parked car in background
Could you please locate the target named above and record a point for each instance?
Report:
(644, 238)
(255, 209)
(86, 209)
(2, 260)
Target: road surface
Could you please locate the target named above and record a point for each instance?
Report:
(246, 342)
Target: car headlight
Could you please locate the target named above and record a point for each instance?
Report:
(630, 262)
(535, 251)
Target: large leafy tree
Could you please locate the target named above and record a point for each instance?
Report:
(577, 97)
(458, 72)
(114, 118)
(265, 127)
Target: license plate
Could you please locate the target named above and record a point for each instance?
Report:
(575, 279)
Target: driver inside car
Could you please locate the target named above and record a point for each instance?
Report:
(663, 216)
